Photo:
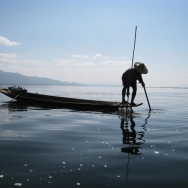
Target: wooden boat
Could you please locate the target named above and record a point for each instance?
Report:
(21, 95)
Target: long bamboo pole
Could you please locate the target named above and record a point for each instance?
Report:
(133, 52)
(134, 45)
(132, 67)
(147, 98)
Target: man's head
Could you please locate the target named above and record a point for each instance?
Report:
(141, 68)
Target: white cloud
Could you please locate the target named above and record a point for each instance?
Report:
(124, 64)
(32, 62)
(7, 42)
(20, 62)
(76, 56)
(83, 71)
(84, 56)
(8, 56)
(12, 59)
(28, 71)
(64, 63)
(107, 58)
(85, 65)
(80, 56)
(97, 55)
(79, 70)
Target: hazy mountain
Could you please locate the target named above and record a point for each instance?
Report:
(19, 79)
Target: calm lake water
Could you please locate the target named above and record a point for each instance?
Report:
(66, 148)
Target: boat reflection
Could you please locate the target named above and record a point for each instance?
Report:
(132, 138)
(14, 106)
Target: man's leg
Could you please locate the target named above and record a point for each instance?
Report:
(123, 93)
(133, 94)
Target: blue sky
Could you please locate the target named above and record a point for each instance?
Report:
(91, 41)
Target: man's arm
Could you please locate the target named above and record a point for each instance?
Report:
(141, 80)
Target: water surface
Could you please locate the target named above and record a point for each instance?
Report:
(66, 148)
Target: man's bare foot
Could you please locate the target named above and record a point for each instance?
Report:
(124, 101)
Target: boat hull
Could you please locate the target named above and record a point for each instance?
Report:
(60, 102)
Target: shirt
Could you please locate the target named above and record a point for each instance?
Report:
(130, 77)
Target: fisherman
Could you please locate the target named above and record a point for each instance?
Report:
(129, 79)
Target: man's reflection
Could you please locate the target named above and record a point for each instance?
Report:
(131, 138)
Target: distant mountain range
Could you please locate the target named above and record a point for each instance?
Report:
(10, 78)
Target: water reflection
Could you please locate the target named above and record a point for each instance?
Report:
(14, 106)
(19, 107)
(131, 138)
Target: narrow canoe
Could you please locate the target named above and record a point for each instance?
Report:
(21, 95)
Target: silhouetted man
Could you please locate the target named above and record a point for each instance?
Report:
(129, 79)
